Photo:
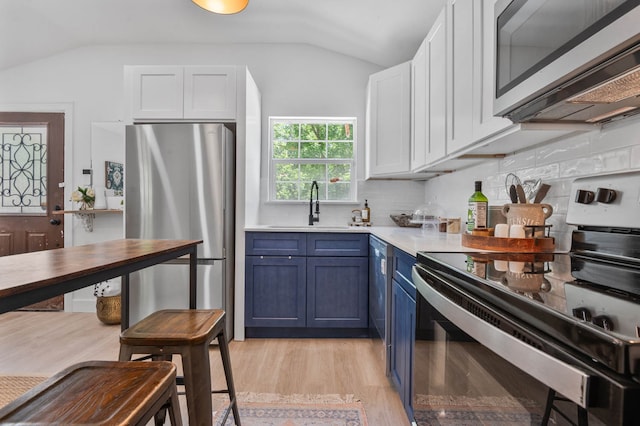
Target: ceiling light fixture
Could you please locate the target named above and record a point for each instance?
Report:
(224, 7)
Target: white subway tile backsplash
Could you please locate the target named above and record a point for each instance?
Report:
(614, 148)
(580, 167)
(576, 146)
(634, 158)
(617, 135)
(518, 161)
(613, 161)
(545, 172)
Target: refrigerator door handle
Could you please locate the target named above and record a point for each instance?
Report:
(185, 261)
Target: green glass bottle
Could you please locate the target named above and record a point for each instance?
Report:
(477, 210)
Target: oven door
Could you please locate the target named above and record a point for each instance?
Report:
(468, 370)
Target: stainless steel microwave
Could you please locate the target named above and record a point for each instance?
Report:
(569, 60)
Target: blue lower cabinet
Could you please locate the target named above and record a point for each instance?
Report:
(337, 292)
(306, 285)
(275, 291)
(403, 313)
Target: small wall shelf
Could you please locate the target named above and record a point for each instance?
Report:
(87, 211)
(86, 216)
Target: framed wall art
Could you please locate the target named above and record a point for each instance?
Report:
(114, 177)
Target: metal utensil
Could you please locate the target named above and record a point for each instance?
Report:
(542, 192)
(531, 187)
(522, 197)
(513, 194)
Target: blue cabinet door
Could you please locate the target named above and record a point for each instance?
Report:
(337, 292)
(275, 291)
(403, 312)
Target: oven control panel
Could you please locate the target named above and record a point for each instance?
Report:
(607, 311)
(607, 200)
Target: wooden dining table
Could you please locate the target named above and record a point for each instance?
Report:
(32, 277)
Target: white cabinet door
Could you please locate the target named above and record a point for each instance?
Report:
(436, 87)
(388, 127)
(484, 122)
(419, 108)
(183, 93)
(210, 92)
(157, 92)
(460, 36)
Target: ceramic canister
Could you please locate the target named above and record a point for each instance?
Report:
(527, 214)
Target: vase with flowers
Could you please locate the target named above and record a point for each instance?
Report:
(85, 196)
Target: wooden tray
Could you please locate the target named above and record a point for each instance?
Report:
(532, 245)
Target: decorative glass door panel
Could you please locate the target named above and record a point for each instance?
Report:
(23, 170)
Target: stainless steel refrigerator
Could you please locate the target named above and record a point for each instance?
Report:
(179, 184)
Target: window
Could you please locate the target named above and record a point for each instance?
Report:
(306, 149)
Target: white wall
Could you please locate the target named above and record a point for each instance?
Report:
(294, 79)
(616, 147)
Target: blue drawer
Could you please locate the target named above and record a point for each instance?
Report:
(275, 244)
(337, 244)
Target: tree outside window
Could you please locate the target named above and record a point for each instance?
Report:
(308, 149)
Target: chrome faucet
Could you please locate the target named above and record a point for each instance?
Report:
(314, 217)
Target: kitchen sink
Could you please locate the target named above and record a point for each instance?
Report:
(309, 226)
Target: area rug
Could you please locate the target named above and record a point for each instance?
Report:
(434, 410)
(262, 409)
(11, 387)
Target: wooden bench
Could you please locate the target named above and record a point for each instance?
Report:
(100, 393)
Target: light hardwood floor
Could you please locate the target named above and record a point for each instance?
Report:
(42, 343)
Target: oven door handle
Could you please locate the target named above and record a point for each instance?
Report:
(560, 376)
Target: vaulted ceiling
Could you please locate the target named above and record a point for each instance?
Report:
(384, 32)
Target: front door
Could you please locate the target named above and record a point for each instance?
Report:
(31, 168)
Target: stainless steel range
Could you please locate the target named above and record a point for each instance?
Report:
(537, 338)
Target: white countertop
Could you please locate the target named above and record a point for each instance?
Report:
(410, 240)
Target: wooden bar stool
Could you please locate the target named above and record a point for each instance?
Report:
(99, 393)
(188, 333)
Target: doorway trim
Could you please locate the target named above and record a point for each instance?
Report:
(67, 109)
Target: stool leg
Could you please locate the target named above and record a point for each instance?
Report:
(126, 352)
(547, 410)
(583, 418)
(197, 383)
(226, 364)
(161, 415)
(174, 409)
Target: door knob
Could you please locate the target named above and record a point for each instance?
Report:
(55, 222)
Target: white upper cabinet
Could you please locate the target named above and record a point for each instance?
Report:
(473, 134)
(428, 98)
(483, 42)
(190, 93)
(460, 62)
(388, 136)
(419, 107)
(157, 92)
(470, 47)
(437, 77)
(210, 92)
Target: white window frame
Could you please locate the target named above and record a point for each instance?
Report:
(313, 120)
